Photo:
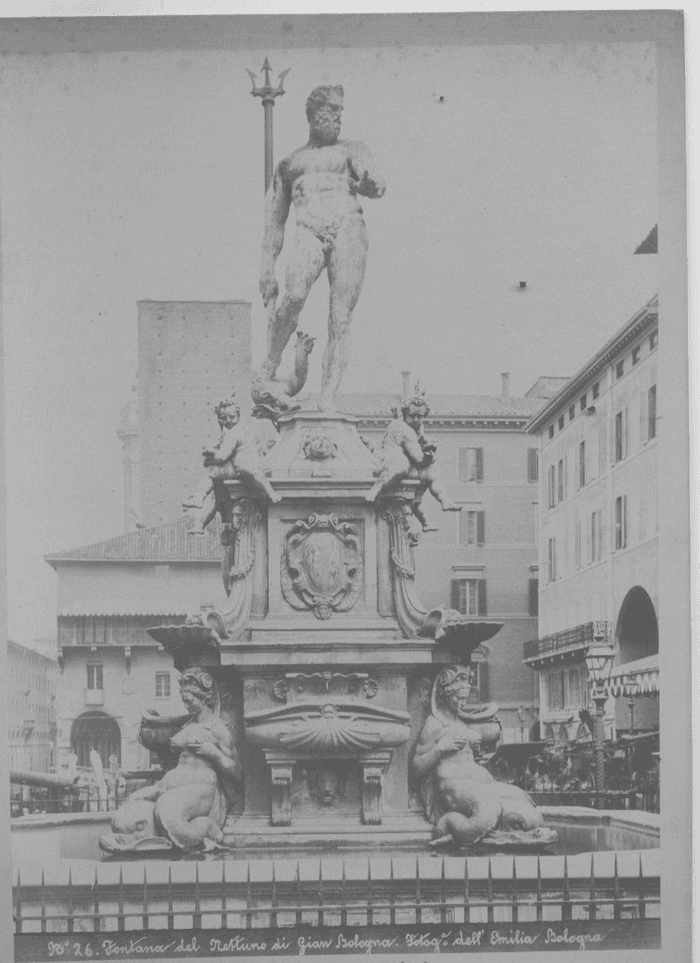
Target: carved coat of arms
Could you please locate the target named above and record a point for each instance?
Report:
(322, 565)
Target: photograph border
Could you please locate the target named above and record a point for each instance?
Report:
(665, 29)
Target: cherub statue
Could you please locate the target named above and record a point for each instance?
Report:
(235, 456)
(407, 453)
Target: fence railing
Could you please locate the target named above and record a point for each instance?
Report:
(86, 799)
(247, 903)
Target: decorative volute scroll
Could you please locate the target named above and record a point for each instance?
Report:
(321, 565)
(409, 611)
(238, 539)
(331, 728)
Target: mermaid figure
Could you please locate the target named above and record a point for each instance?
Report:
(188, 807)
(462, 800)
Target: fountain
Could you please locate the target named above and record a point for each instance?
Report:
(327, 708)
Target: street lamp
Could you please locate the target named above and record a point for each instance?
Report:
(599, 662)
(522, 716)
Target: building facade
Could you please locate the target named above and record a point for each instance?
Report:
(192, 355)
(109, 595)
(31, 703)
(598, 532)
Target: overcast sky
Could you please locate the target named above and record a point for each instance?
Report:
(139, 175)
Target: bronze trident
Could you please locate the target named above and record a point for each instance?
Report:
(268, 93)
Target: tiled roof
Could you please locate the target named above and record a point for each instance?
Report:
(162, 543)
(443, 406)
(125, 606)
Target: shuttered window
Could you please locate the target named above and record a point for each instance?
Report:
(621, 521)
(651, 413)
(469, 596)
(94, 676)
(532, 469)
(621, 435)
(471, 464)
(472, 528)
(533, 596)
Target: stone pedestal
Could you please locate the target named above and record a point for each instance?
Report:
(325, 641)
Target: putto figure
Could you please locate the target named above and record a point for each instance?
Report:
(462, 799)
(323, 179)
(235, 456)
(187, 808)
(406, 453)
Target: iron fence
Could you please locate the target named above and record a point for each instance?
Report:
(96, 907)
(86, 799)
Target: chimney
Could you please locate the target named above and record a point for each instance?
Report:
(505, 385)
(406, 384)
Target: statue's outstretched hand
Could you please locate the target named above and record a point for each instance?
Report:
(368, 186)
(269, 288)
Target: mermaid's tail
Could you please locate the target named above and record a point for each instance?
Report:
(466, 829)
(519, 811)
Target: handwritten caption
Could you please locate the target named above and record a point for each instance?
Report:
(310, 941)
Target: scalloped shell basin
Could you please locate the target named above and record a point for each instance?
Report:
(345, 728)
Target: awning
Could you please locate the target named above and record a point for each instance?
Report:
(634, 678)
(126, 606)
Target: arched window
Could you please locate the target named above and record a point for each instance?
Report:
(96, 730)
(637, 629)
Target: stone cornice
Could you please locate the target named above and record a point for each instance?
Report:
(644, 320)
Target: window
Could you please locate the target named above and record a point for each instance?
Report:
(596, 390)
(567, 688)
(635, 354)
(561, 422)
(551, 560)
(471, 464)
(94, 676)
(532, 469)
(582, 464)
(551, 431)
(583, 403)
(651, 413)
(469, 596)
(533, 596)
(560, 481)
(551, 487)
(471, 528)
(620, 368)
(621, 435)
(653, 340)
(596, 536)
(162, 685)
(621, 521)
(572, 412)
(577, 543)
